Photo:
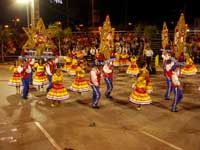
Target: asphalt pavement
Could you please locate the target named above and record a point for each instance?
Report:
(34, 125)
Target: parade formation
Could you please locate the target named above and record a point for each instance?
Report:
(40, 70)
(99, 75)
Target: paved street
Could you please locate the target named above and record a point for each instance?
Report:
(34, 125)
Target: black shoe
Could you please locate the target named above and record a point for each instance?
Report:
(108, 96)
(24, 97)
(174, 110)
(167, 99)
(95, 107)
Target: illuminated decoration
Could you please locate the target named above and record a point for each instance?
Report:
(180, 34)
(39, 38)
(56, 1)
(106, 37)
(165, 38)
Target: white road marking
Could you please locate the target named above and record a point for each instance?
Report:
(162, 141)
(51, 140)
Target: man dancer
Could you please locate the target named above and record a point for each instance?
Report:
(95, 77)
(108, 75)
(178, 95)
(167, 69)
(25, 71)
(50, 69)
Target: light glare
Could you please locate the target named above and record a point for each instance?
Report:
(23, 1)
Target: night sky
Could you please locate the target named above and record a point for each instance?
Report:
(121, 11)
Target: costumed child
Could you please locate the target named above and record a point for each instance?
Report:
(189, 68)
(80, 84)
(40, 78)
(139, 95)
(15, 80)
(133, 69)
(58, 92)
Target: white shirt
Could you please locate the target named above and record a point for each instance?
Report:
(106, 69)
(175, 79)
(93, 76)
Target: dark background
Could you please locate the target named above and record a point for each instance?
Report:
(121, 11)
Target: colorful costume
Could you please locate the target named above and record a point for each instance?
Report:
(58, 92)
(145, 73)
(80, 84)
(168, 75)
(95, 77)
(15, 80)
(189, 68)
(116, 61)
(40, 78)
(178, 95)
(68, 61)
(100, 59)
(73, 67)
(31, 63)
(133, 67)
(79, 54)
(139, 94)
(108, 77)
(25, 71)
(124, 59)
(50, 70)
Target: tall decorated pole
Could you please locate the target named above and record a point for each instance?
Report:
(106, 38)
(180, 36)
(165, 37)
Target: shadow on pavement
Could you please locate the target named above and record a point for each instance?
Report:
(190, 106)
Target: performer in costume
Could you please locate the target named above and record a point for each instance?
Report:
(58, 92)
(50, 70)
(25, 71)
(168, 76)
(139, 95)
(100, 59)
(116, 61)
(95, 78)
(178, 95)
(133, 69)
(80, 84)
(40, 78)
(112, 55)
(189, 68)
(145, 73)
(15, 80)
(68, 61)
(108, 77)
(124, 59)
(73, 67)
(31, 63)
(167, 71)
